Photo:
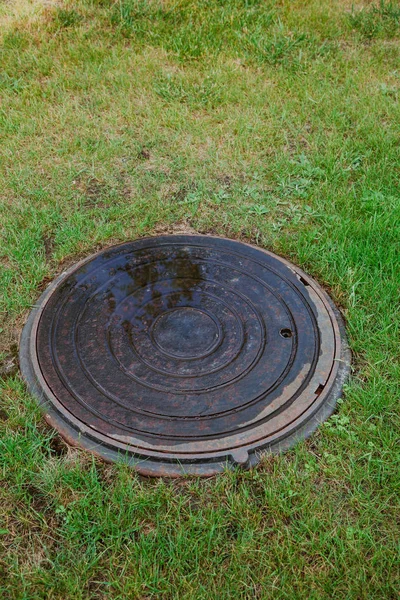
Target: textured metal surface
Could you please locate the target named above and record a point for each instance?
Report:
(184, 354)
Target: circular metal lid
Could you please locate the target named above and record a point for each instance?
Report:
(184, 354)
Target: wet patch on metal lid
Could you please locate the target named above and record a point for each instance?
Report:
(184, 354)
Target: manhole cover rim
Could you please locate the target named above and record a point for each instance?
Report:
(146, 460)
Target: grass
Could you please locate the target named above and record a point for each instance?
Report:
(271, 122)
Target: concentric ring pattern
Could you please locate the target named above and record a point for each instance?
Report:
(183, 353)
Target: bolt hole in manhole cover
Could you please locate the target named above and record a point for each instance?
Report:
(184, 354)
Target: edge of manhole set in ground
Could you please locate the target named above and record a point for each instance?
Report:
(184, 354)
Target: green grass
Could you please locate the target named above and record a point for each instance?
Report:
(271, 122)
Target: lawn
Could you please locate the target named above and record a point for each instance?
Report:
(273, 122)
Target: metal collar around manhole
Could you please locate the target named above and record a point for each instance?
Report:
(184, 354)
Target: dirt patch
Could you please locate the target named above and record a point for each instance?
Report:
(37, 499)
(9, 338)
(247, 234)
(97, 589)
(57, 446)
(48, 242)
(106, 472)
(179, 228)
(226, 181)
(144, 154)
(3, 415)
(180, 194)
(5, 262)
(9, 365)
(93, 190)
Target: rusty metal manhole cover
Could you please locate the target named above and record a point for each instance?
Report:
(184, 354)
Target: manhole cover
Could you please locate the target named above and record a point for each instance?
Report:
(184, 354)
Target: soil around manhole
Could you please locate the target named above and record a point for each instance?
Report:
(184, 354)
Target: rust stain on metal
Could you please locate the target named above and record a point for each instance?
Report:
(184, 354)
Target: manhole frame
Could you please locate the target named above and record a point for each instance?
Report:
(80, 435)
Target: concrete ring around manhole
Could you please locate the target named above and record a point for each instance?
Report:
(184, 354)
